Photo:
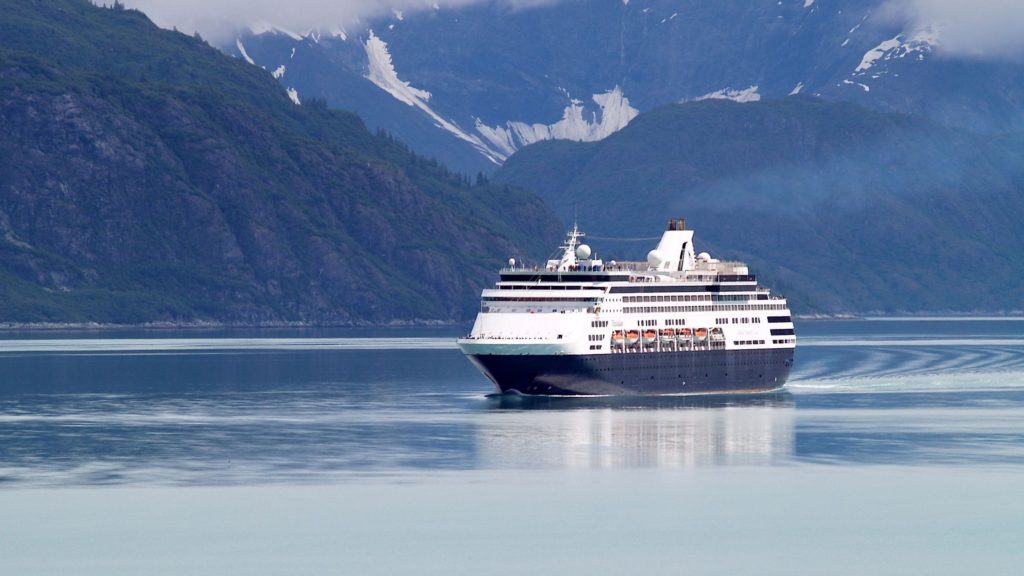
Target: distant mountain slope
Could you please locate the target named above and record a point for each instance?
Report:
(145, 176)
(489, 78)
(845, 209)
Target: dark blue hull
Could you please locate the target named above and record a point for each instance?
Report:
(646, 374)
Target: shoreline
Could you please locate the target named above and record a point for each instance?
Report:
(214, 325)
(422, 323)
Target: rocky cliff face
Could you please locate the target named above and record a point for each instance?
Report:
(144, 176)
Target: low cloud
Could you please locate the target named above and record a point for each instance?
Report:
(983, 29)
(988, 29)
(219, 19)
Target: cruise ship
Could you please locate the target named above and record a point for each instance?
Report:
(680, 323)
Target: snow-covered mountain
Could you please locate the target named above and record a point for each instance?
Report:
(472, 85)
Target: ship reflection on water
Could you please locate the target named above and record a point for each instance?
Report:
(616, 432)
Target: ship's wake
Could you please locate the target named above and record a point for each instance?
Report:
(932, 364)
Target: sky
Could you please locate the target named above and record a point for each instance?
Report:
(987, 29)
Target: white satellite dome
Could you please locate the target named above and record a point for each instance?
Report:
(583, 252)
(655, 258)
(704, 256)
(511, 262)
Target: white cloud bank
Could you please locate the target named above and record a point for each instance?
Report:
(219, 19)
(969, 28)
(984, 29)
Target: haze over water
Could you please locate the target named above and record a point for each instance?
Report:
(898, 448)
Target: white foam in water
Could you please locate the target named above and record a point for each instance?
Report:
(918, 383)
(908, 363)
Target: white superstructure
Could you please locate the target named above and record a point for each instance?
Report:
(677, 301)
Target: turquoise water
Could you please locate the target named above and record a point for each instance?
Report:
(898, 448)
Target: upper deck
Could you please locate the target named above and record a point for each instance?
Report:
(672, 261)
(615, 275)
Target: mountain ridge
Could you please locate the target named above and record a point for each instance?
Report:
(145, 176)
(496, 73)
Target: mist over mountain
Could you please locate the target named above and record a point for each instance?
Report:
(471, 84)
(841, 208)
(146, 176)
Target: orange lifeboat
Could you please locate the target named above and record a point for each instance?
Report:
(618, 338)
(632, 337)
(650, 336)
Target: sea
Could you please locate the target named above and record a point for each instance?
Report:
(897, 447)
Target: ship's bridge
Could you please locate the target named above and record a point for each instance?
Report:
(674, 259)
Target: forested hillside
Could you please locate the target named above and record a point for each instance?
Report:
(145, 176)
(844, 209)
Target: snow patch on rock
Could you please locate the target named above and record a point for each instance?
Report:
(241, 50)
(278, 73)
(294, 95)
(614, 113)
(876, 53)
(339, 32)
(266, 28)
(862, 85)
(920, 43)
(748, 94)
(499, 142)
(383, 74)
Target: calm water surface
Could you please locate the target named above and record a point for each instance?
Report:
(897, 448)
